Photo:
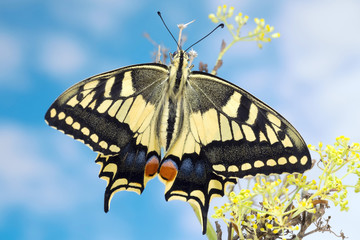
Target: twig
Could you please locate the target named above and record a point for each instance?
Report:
(218, 230)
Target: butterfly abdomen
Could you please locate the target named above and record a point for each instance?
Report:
(171, 123)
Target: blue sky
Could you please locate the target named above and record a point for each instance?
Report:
(48, 182)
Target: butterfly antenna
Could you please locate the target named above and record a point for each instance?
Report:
(168, 29)
(220, 25)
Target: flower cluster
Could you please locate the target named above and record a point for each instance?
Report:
(337, 162)
(294, 202)
(262, 32)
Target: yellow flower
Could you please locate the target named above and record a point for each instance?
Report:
(269, 225)
(213, 18)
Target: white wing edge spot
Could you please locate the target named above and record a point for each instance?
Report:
(271, 162)
(76, 126)
(103, 144)
(258, 164)
(94, 138)
(219, 168)
(52, 112)
(304, 160)
(245, 167)
(282, 161)
(114, 148)
(293, 159)
(233, 168)
(61, 116)
(69, 120)
(85, 131)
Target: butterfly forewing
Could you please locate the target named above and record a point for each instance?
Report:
(115, 115)
(107, 110)
(247, 137)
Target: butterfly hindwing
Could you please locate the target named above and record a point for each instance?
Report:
(196, 183)
(129, 170)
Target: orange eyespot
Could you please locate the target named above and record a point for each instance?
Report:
(151, 166)
(168, 170)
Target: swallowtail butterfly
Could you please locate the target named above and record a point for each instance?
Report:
(195, 131)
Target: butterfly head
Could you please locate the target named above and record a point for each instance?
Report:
(181, 58)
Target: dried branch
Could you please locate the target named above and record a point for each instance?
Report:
(218, 230)
(203, 67)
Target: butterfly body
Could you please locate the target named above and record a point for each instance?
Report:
(194, 130)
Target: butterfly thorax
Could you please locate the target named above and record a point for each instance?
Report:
(178, 75)
(173, 108)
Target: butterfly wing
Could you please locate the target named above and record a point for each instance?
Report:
(115, 113)
(229, 134)
(244, 136)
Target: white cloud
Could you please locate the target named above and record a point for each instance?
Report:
(319, 37)
(11, 61)
(320, 75)
(99, 16)
(61, 55)
(28, 178)
(321, 66)
(11, 54)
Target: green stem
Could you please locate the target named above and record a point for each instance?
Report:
(341, 166)
(292, 198)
